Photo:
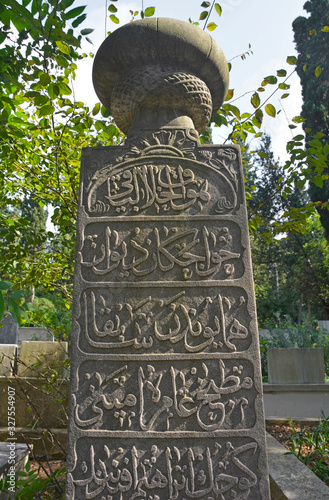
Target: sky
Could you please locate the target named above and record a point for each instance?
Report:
(264, 24)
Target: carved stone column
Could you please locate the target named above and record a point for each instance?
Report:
(166, 391)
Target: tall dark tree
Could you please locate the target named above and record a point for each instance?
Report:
(312, 44)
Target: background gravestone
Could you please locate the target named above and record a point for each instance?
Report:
(9, 330)
(165, 388)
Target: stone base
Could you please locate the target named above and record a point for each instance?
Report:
(290, 478)
(296, 401)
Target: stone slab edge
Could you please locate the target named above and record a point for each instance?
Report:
(290, 479)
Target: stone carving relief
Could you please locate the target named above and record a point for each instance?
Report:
(202, 251)
(214, 469)
(208, 395)
(186, 321)
(166, 174)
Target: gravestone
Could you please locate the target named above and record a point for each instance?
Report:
(8, 353)
(9, 330)
(41, 356)
(165, 388)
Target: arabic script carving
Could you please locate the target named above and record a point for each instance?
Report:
(181, 321)
(164, 396)
(165, 174)
(201, 252)
(215, 469)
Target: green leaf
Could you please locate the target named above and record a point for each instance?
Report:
(299, 137)
(203, 15)
(284, 96)
(2, 305)
(96, 108)
(218, 9)
(255, 100)
(229, 95)
(149, 11)
(46, 110)
(14, 311)
(75, 12)
(298, 119)
(262, 154)
(271, 79)
(281, 72)
(114, 19)
(17, 294)
(79, 20)
(318, 135)
(44, 79)
(318, 71)
(326, 149)
(86, 31)
(284, 86)
(270, 110)
(211, 26)
(292, 60)
(112, 8)
(259, 115)
(205, 5)
(6, 285)
(63, 47)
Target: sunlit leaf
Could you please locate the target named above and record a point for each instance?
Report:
(229, 95)
(318, 71)
(298, 119)
(325, 29)
(218, 9)
(211, 26)
(292, 60)
(63, 47)
(96, 108)
(114, 19)
(255, 100)
(149, 11)
(270, 110)
(203, 15)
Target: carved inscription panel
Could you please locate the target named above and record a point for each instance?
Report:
(161, 251)
(158, 469)
(166, 395)
(141, 321)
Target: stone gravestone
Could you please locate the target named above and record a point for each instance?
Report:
(166, 393)
(9, 330)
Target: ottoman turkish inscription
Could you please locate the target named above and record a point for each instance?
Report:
(165, 396)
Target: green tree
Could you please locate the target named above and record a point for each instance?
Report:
(312, 44)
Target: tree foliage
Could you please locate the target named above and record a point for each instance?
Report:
(312, 43)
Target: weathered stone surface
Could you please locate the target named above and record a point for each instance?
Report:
(295, 366)
(7, 359)
(34, 333)
(290, 478)
(9, 330)
(160, 63)
(166, 393)
(42, 356)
